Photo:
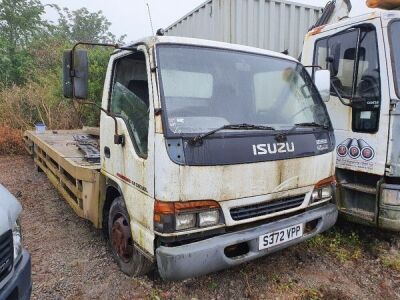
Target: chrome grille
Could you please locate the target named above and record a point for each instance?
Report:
(6, 254)
(265, 208)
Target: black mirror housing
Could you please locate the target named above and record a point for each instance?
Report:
(76, 74)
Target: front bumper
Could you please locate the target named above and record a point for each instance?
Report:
(207, 256)
(20, 285)
(389, 214)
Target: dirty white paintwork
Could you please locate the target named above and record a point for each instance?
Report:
(125, 161)
(393, 160)
(230, 182)
(341, 116)
(165, 180)
(10, 209)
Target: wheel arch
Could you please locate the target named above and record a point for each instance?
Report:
(112, 191)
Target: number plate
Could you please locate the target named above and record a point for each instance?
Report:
(281, 236)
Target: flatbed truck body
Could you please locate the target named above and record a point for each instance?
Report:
(77, 180)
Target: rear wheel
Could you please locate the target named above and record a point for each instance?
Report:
(128, 258)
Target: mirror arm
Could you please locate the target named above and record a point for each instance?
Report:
(338, 95)
(119, 139)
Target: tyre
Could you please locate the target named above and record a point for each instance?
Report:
(128, 258)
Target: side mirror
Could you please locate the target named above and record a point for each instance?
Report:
(76, 74)
(322, 80)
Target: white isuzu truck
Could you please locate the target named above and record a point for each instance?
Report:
(363, 56)
(209, 155)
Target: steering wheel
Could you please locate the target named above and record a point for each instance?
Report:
(369, 85)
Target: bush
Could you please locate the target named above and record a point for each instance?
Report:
(11, 141)
(21, 107)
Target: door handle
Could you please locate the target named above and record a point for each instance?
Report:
(107, 152)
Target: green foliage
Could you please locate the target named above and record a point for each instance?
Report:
(391, 261)
(20, 24)
(21, 21)
(31, 51)
(98, 60)
(310, 294)
(345, 246)
(212, 285)
(84, 26)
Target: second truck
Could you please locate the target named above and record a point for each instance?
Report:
(362, 54)
(210, 155)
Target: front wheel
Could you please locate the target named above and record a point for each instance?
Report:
(128, 258)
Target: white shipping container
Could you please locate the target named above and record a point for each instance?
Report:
(268, 24)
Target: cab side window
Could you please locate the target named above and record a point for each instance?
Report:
(130, 98)
(352, 58)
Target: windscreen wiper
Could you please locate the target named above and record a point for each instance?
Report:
(244, 126)
(310, 124)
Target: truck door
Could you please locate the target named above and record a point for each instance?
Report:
(356, 59)
(128, 96)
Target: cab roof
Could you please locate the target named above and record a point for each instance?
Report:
(154, 40)
(391, 14)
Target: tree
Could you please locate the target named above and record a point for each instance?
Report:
(20, 22)
(30, 63)
(84, 26)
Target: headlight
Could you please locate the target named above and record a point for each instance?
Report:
(390, 197)
(176, 216)
(323, 190)
(17, 239)
(209, 218)
(185, 221)
(326, 192)
(321, 193)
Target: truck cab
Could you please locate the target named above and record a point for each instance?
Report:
(15, 262)
(363, 56)
(227, 154)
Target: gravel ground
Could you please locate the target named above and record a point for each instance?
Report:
(71, 259)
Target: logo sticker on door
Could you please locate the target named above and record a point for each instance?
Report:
(355, 154)
(355, 148)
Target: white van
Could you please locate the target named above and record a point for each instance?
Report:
(15, 262)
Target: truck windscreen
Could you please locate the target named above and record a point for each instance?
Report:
(206, 88)
(395, 46)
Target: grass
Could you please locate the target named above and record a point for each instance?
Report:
(298, 291)
(310, 294)
(391, 261)
(154, 295)
(345, 246)
(212, 285)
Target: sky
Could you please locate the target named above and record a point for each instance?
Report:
(131, 17)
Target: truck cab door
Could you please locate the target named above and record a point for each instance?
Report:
(355, 55)
(128, 95)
